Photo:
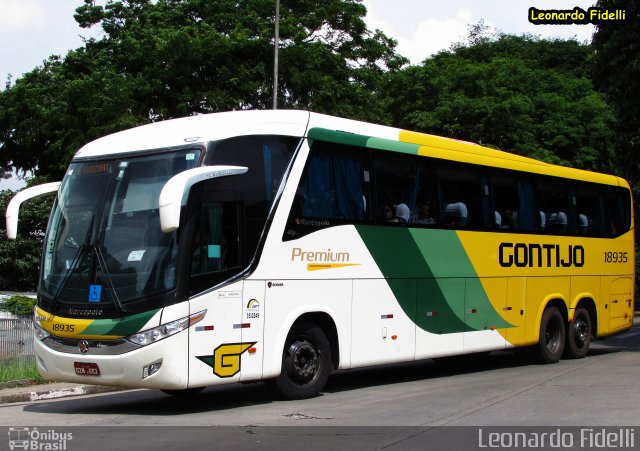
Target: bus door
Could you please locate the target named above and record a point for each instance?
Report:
(216, 254)
(215, 343)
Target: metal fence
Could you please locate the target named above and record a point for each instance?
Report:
(16, 341)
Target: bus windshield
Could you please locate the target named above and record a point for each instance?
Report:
(104, 243)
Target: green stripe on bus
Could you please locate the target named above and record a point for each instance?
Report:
(353, 139)
(393, 146)
(120, 327)
(333, 136)
(432, 278)
(446, 257)
(410, 279)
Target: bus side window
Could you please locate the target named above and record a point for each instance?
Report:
(589, 207)
(514, 201)
(215, 250)
(403, 183)
(554, 201)
(618, 211)
(333, 190)
(464, 197)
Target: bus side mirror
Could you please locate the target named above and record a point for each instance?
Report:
(13, 209)
(177, 188)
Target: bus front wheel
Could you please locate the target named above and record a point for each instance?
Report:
(579, 334)
(306, 362)
(552, 336)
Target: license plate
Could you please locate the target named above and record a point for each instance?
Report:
(86, 369)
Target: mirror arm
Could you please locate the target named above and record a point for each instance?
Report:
(177, 188)
(13, 209)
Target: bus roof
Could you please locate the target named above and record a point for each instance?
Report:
(198, 129)
(201, 129)
(403, 141)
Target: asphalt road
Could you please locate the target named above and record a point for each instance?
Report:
(446, 404)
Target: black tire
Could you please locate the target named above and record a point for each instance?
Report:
(552, 336)
(184, 392)
(306, 362)
(579, 335)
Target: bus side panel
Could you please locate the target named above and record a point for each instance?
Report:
(515, 311)
(253, 316)
(288, 300)
(440, 315)
(541, 291)
(481, 316)
(381, 330)
(618, 300)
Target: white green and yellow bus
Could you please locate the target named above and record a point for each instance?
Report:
(283, 245)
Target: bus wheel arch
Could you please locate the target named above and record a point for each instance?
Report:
(552, 337)
(581, 329)
(308, 356)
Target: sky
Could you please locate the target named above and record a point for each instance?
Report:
(32, 30)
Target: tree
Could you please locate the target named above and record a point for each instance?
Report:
(522, 94)
(169, 58)
(18, 305)
(617, 74)
(20, 258)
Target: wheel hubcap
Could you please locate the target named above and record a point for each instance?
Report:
(302, 361)
(580, 331)
(552, 336)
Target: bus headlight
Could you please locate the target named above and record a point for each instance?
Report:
(40, 333)
(165, 330)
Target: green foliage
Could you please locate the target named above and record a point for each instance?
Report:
(514, 93)
(172, 58)
(18, 371)
(20, 258)
(18, 305)
(617, 73)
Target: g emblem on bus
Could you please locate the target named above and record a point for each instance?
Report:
(225, 360)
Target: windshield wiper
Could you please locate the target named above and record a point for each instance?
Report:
(65, 279)
(105, 271)
(74, 263)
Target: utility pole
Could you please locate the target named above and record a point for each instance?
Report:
(275, 57)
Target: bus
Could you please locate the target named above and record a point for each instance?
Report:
(283, 245)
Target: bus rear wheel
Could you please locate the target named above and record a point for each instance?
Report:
(579, 334)
(306, 362)
(552, 336)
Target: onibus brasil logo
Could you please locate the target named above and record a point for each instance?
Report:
(33, 439)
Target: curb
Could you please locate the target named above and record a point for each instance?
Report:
(64, 392)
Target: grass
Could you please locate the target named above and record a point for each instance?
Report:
(13, 369)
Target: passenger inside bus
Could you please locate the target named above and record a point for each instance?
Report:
(455, 214)
(424, 215)
(403, 213)
(557, 222)
(386, 213)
